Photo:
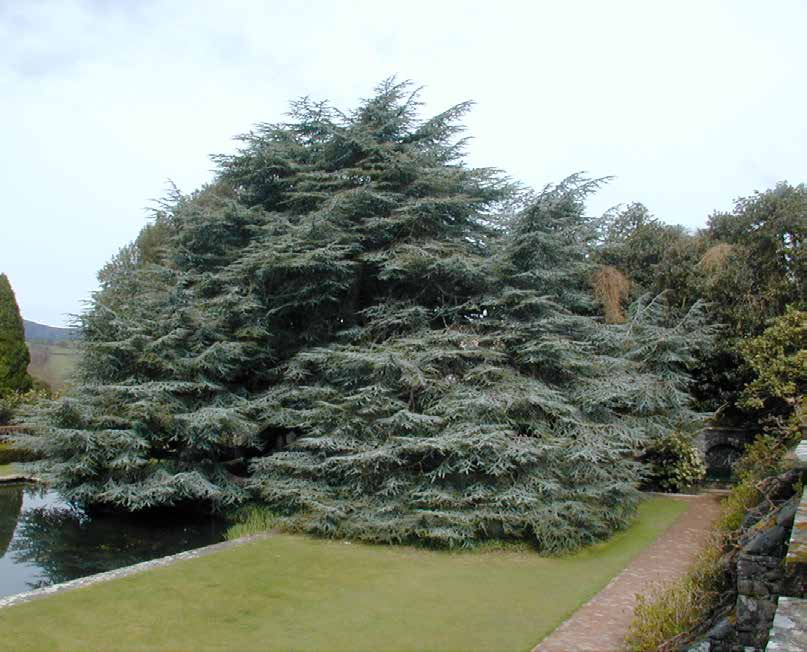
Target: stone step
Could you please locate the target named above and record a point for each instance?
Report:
(789, 631)
(797, 549)
(795, 570)
(796, 559)
(801, 455)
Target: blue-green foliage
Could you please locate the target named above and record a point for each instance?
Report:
(374, 339)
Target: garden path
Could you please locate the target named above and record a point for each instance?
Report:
(600, 625)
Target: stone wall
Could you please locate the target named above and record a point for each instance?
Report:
(757, 575)
(761, 579)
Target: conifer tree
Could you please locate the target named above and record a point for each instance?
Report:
(375, 339)
(512, 415)
(14, 355)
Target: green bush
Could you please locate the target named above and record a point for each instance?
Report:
(675, 463)
(742, 498)
(763, 458)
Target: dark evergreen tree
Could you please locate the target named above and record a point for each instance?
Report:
(14, 355)
(376, 339)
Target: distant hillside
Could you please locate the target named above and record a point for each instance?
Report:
(40, 333)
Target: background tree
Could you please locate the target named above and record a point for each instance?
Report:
(14, 356)
(656, 257)
(747, 264)
(760, 264)
(778, 359)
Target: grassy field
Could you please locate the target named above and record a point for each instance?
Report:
(7, 469)
(297, 593)
(52, 363)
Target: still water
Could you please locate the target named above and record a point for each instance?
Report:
(44, 540)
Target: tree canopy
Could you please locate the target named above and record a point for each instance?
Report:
(376, 340)
(748, 265)
(778, 359)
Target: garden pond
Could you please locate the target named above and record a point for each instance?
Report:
(45, 540)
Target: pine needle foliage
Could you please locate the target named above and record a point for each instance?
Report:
(513, 416)
(376, 341)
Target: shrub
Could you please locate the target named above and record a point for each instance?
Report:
(10, 454)
(675, 463)
(764, 457)
(736, 505)
(13, 402)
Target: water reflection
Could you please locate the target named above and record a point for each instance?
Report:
(10, 505)
(44, 540)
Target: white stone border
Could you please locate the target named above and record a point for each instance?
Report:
(17, 479)
(118, 573)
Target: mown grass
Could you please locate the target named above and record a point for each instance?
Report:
(7, 469)
(291, 592)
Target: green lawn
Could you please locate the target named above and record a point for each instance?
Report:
(296, 593)
(7, 469)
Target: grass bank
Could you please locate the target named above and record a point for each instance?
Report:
(292, 592)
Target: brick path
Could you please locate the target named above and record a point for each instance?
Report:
(600, 625)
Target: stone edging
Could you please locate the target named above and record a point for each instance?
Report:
(664, 494)
(118, 573)
(17, 479)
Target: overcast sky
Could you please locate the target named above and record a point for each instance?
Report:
(688, 104)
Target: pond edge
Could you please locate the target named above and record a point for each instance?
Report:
(28, 596)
